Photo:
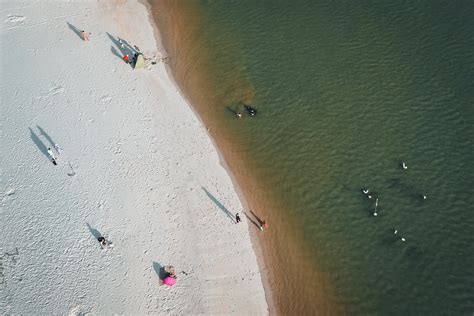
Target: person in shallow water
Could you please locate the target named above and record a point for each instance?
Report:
(396, 232)
(366, 193)
(250, 110)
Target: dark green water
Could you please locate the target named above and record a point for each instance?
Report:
(345, 91)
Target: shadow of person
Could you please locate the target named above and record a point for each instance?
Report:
(41, 146)
(260, 222)
(115, 52)
(124, 47)
(232, 111)
(219, 204)
(75, 30)
(48, 138)
(94, 231)
(251, 220)
(160, 271)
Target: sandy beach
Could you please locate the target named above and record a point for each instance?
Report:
(136, 166)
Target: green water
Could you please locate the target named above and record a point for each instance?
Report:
(345, 91)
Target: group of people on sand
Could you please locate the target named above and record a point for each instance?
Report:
(126, 58)
(169, 276)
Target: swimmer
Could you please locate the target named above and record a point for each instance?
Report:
(250, 110)
(366, 192)
(402, 238)
(376, 204)
(423, 196)
(404, 165)
(238, 114)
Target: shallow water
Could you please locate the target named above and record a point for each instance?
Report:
(345, 91)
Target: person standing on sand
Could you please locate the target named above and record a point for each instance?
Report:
(85, 36)
(263, 225)
(51, 154)
(237, 218)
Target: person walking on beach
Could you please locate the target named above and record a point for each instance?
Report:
(85, 36)
(263, 225)
(237, 218)
(51, 154)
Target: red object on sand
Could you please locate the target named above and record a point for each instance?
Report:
(125, 59)
(170, 281)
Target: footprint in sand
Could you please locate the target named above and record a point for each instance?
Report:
(6, 194)
(18, 19)
(78, 310)
(106, 98)
(56, 90)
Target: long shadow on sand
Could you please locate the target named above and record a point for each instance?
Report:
(124, 47)
(41, 146)
(219, 204)
(260, 222)
(115, 52)
(48, 138)
(251, 220)
(74, 29)
(94, 231)
(159, 270)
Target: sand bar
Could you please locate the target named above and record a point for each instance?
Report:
(137, 166)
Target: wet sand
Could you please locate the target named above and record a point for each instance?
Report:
(280, 249)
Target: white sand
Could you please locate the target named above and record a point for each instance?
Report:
(140, 157)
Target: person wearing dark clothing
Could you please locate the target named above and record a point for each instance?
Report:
(237, 218)
(102, 241)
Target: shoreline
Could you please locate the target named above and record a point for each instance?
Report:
(256, 244)
(282, 247)
(160, 217)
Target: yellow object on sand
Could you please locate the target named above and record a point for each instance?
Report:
(140, 62)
